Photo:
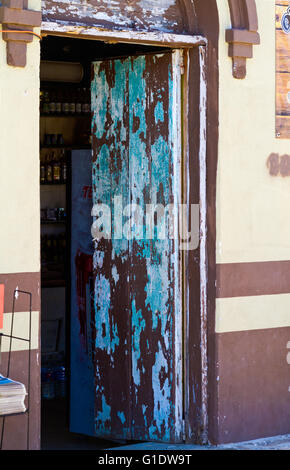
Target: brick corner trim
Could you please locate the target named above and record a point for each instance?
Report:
(15, 16)
(243, 34)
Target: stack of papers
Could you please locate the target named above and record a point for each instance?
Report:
(12, 396)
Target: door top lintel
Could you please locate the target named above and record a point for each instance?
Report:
(154, 38)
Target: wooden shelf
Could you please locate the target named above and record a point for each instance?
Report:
(53, 283)
(53, 277)
(64, 115)
(67, 147)
(49, 222)
(53, 184)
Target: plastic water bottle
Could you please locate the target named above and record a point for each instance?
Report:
(60, 381)
(47, 384)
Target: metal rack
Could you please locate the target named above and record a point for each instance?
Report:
(28, 340)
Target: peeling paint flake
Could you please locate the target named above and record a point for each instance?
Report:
(140, 14)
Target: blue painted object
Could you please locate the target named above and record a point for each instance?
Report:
(82, 393)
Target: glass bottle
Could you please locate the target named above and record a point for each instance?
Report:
(48, 166)
(84, 105)
(42, 170)
(58, 104)
(63, 167)
(45, 102)
(52, 105)
(87, 101)
(78, 101)
(56, 169)
(41, 101)
(65, 103)
(72, 102)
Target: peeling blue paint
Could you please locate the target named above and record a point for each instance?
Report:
(106, 336)
(103, 415)
(102, 307)
(162, 399)
(122, 417)
(159, 112)
(98, 101)
(144, 408)
(157, 292)
(134, 144)
(138, 325)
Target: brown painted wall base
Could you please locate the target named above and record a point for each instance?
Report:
(16, 426)
(253, 382)
(258, 278)
(29, 282)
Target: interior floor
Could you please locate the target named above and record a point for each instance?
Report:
(55, 434)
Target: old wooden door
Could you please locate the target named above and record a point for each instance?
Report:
(137, 278)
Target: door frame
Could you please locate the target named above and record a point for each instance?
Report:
(187, 42)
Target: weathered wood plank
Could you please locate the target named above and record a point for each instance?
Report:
(164, 15)
(155, 283)
(137, 152)
(111, 258)
(280, 10)
(283, 126)
(282, 73)
(132, 37)
(283, 93)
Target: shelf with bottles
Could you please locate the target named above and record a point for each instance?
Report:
(54, 184)
(52, 275)
(51, 222)
(53, 256)
(53, 376)
(55, 215)
(47, 282)
(57, 140)
(65, 101)
(66, 147)
(53, 167)
(66, 115)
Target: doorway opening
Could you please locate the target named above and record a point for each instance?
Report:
(65, 168)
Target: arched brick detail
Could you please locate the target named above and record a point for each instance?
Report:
(243, 34)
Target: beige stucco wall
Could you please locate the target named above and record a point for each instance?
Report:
(257, 312)
(20, 226)
(253, 208)
(19, 161)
